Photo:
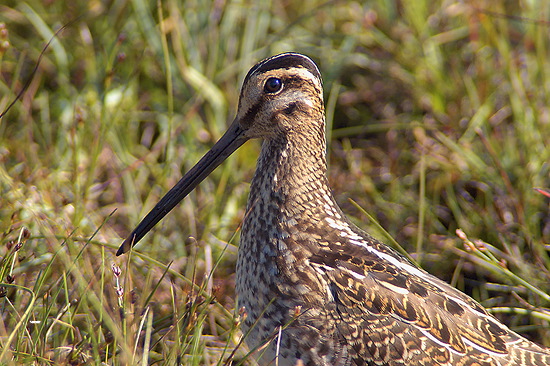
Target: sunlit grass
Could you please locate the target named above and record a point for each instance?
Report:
(439, 121)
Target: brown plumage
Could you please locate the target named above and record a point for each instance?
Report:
(317, 289)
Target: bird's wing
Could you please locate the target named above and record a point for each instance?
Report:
(388, 309)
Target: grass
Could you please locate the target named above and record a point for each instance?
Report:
(439, 126)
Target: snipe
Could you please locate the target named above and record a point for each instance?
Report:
(317, 289)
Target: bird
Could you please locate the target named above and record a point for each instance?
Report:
(315, 288)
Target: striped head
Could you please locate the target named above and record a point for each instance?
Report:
(281, 95)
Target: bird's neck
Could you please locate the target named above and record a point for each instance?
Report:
(290, 179)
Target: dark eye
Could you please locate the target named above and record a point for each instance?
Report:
(273, 85)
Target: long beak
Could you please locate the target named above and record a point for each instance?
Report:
(226, 145)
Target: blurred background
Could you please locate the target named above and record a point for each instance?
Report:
(437, 119)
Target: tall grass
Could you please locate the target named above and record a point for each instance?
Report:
(438, 121)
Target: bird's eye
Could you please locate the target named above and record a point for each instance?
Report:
(273, 85)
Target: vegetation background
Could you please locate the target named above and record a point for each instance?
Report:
(438, 119)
